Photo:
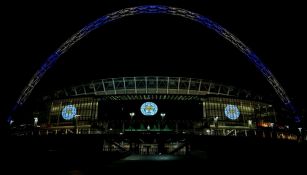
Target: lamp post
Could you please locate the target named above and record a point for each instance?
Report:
(272, 129)
(35, 121)
(216, 125)
(76, 118)
(162, 114)
(216, 121)
(300, 130)
(250, 123)
(132, 114)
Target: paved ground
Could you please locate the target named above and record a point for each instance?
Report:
(210, 154)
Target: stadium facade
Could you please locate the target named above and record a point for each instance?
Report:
(155, 114)
(153, 103)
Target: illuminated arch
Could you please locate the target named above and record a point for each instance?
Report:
(154, 9)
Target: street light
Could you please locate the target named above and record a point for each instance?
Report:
(11, 122)
(250, 123)
(216, 121)
(35, 121)
(132, 114)
(300, 129)
(76, 118)
(162, 115)
(216, 125)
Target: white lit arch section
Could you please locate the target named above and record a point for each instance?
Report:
(154, 9)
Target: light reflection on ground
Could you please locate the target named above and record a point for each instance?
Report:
(152, 157)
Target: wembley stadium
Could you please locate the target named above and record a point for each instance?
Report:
(162, 117)
(155, 114)
(153, 103)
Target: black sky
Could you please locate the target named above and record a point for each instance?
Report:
(153, 44)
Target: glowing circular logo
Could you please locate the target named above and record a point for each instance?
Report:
(232, 112)
(149, 108)
(69, 112)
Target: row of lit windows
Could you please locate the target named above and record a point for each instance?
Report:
(86, 110)
(247, 110)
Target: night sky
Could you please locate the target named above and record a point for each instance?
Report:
(152, 45)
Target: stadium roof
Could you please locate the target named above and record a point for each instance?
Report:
(142, 86)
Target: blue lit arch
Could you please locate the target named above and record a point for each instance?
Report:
(154, 9)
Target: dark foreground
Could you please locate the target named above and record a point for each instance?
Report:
(82, 155)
